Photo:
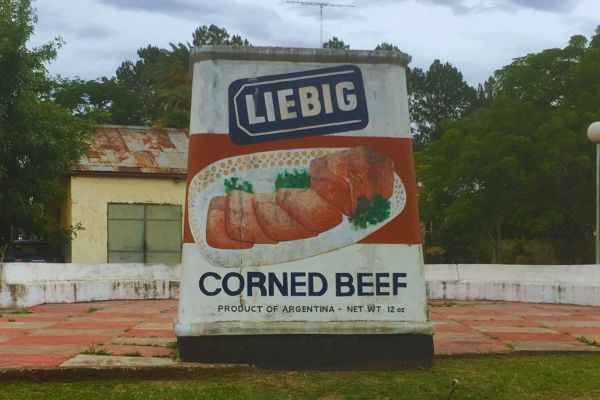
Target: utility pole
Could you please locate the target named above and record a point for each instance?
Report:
(320, 5)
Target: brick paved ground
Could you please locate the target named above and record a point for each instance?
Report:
(142, 331)
(54, 333)
(480, 327)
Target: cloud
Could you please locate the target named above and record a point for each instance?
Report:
(547, 5)
(252, 21)
(162, 6)
(92, 31)
(330, 12)
(194, 10)
(478, 6)
(54, 21)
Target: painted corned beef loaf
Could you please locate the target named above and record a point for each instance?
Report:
(240, 219)
(308, 208)
(343, 177)
(216, 235)
(277, 223)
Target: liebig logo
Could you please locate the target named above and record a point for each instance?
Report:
(315, 102)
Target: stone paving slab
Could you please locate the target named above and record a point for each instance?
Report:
(551, 346)
(54, 339)
(24, 325)
(572, 324)
(140, 351)
(68, 349)
(163, 342)
(55, 335)
(513, 329)
(150, 333)
(83, 360)
(32, 360)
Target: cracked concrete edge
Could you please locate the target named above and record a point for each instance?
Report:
(175, 371)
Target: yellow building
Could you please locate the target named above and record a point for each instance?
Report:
(126, 196)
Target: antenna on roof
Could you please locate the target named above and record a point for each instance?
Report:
(320, 5)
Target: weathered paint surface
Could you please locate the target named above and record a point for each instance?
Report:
(556, 284)
(89, 197)
(25, 285)
(28, 284)
(130, 149)
(207, 306)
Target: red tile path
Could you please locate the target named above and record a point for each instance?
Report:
(51, 334)
(480, 327)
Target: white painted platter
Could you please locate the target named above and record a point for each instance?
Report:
(261, 170)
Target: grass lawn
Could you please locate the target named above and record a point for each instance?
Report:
(565, 376)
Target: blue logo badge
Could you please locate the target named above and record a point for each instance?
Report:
(316, 102)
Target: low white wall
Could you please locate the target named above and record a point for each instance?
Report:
(28, 284)
(558, 284)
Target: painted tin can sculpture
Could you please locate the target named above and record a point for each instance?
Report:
(302, 237)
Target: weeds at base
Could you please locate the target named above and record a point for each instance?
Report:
(587, 341)
(95, 351)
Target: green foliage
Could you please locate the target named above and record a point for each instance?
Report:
(95, 350)
(498, 377)
(159, 83)
(21, 311)
(435, 95)
(154, 90)
(213, 35)
(387, 46)
(519, 168)
(101, 101)
(589, 342)
(176, 119)
(234, 183)
(335, 43)
(370, 211)
(39, 139)
(296, 179)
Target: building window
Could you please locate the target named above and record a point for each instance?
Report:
(144, 233)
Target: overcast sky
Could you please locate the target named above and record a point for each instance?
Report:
(476, 36)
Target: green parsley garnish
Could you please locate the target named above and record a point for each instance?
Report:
(370, 211)
(234, 183)
(298, 179)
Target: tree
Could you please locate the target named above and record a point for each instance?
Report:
(387, 46)
(161, 81)
(438, 94)
(335, 43)
(519, 168)
(486, 92)
(213, 35)
(38, 139)
(100, 101)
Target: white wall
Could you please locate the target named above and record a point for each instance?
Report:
(28, 284)
(559, 284)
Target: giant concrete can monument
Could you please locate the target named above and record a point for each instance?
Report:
(302, 245)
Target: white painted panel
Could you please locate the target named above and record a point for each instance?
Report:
(385, 88)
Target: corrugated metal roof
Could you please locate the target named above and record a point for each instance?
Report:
(135, 150)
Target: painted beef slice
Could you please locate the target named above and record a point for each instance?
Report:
(333, 187)
(216, 235)
(343, 177)
(308, 208)
(276, 222)
(240, 219)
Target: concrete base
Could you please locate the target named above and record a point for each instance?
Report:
(297, 352)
